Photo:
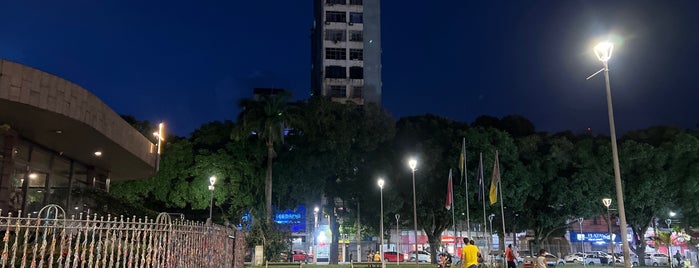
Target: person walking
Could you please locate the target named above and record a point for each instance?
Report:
(510, 257)
(469, 254)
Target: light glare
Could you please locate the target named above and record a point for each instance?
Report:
(412, 163)
(603, 50)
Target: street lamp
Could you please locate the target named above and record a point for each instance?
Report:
(608, 202)
(399, 238)
(413, 164)
(383, 263)
(490, 239)
(315, 235)
(582, 241)
(669, 229)
(603, 51)
(212, 181)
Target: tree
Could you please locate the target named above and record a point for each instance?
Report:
(186, 166)
(333, 152)
(265, 119)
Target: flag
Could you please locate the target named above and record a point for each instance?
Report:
(495, 182)
(450, 193)
(480, 178)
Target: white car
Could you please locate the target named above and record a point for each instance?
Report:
(657, 259)
(619, 258)
(591, 259)
(554, 260)
(575, 257)
(422, 256)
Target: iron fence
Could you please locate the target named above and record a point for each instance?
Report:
(48, 239)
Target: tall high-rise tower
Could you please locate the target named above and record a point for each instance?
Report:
(346, 50)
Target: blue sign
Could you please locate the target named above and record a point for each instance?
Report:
(296, 219)
(592, 237)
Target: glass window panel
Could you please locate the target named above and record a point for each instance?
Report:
(60, 172)
(21, 152)
(40, 159)
(37, 179)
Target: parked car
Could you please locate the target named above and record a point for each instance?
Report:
(604, 257)
(656, 259)
(422, 256)
(591, 259)
(298, 255)
(619, 258)
(575, 257)
(553, 260)
(392, 256)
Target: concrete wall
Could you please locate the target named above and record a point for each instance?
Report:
(23, 84)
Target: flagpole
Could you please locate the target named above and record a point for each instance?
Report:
(453, 208)
(502, 205)
(464, 176)
(485, 225)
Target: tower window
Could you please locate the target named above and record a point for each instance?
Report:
(338, 91)
(356, 17)
(334, 71)
(356, 72)
(356, 36)
(335, 16)
(356, 54)
(357, 92)
(335, 35)
(336, 2)
(332, 53)
(356, 2)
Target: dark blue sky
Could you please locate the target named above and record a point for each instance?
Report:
(188, 62)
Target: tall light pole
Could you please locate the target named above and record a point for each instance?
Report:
(413, 164)
(212, 181)
(669, 254)
(399, 238)
(603, 51)
(608, 202)
(383, 263)
(490, 239)
(315, 236)
(582, 242)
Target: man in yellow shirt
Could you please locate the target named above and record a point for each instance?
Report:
(469, 254)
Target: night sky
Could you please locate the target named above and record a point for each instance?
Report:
(188, 62)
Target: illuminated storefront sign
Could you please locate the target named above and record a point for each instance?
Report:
(592, 237)
(295, 219)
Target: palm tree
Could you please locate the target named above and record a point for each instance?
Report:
(265, 119)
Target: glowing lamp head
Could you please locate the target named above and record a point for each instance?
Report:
(607, 202)
(316, 209)
(212, 180)
(380, 182)
(412, 163)
(33, 175)
(604, 50)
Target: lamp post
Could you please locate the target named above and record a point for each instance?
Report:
(669, 229)
(383, 263)
(603, 51)
(608, 202)
(315, 236)
(413, 164)
(490, 238)
(582, 241)
(399, 238)
(212, 181)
